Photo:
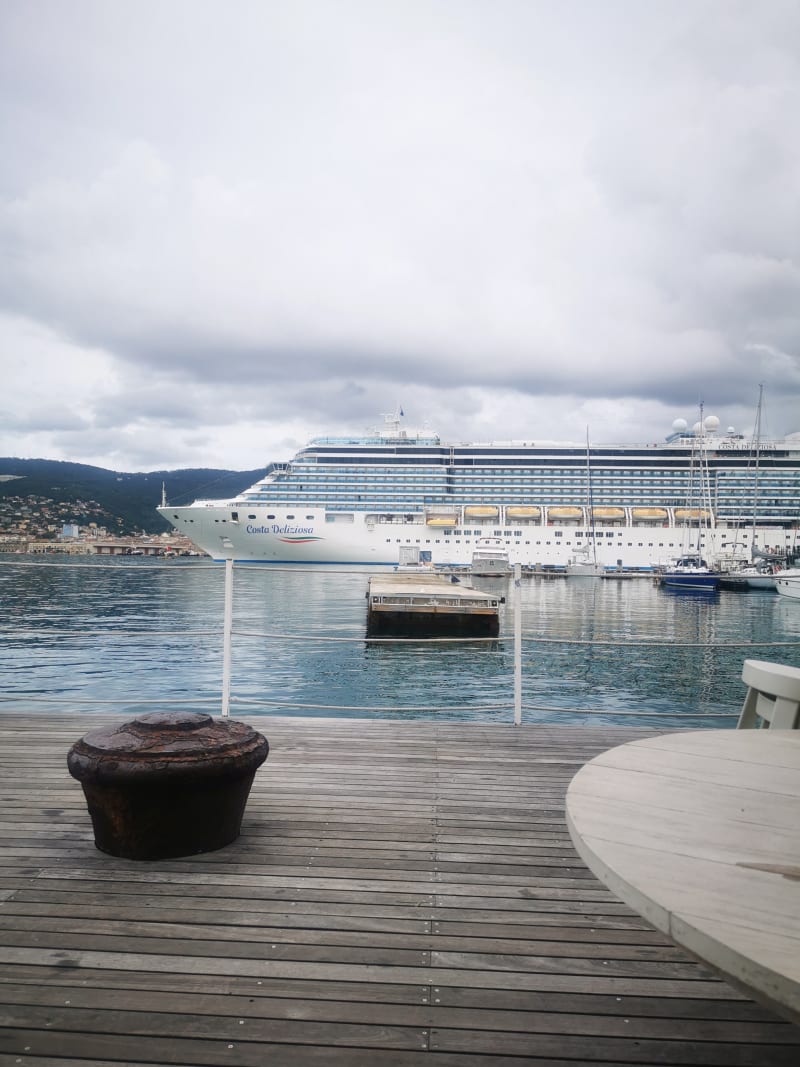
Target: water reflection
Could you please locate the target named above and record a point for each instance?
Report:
(607, 647)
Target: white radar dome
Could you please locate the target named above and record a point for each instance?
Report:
(711, 423)
(697, 429)
(731, 429)
(679, 424)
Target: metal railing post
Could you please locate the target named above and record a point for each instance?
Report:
(227, 627)
(517, 644)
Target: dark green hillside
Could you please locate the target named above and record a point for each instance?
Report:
(98, 495)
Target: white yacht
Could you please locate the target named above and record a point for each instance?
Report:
(788, 583)
(584, 565)
(490, 558)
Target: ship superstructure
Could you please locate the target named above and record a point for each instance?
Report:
(358, 499)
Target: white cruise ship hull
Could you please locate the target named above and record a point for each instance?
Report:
(287, 539)
(370, 499)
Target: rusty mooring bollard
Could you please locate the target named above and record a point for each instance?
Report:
(167, 784)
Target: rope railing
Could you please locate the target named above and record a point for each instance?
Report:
(382, 710)
(503, 643)
(105, 702)
(271, 635)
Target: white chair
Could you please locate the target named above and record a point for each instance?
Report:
(773, 697)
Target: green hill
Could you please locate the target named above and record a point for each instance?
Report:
(130, 498)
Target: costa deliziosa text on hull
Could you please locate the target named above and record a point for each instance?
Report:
(357, 500)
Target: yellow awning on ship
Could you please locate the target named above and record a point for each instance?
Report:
(651, 514)
(481, 511)
(442, 520)
(523, 511)
(692, 514)
(564, 513)
(608, 513)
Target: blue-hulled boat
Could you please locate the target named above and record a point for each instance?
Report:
(691, 572)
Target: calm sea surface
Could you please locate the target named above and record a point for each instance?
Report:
(132, 636)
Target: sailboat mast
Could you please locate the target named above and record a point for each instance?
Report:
(589, 499)
(702, 480)
(757, 450)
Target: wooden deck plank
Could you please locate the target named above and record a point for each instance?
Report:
(481, 999)
(73, 1050)
(99, 919)
(400, 890)
(273, 1005)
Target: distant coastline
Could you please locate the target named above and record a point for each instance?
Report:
(40, 497)
(94, 542)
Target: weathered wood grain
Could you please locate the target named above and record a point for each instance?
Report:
(402, 893)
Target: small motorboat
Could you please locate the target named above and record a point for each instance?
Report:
(490, 558)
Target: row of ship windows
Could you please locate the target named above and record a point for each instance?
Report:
(517, 536)
(578, 535)
(640, 496)
(472, 476)
(498, 485)
(529, 495)
(470, 494)
(235, 517)
(471, 470)
(620, 478)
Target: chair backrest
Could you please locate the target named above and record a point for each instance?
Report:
(773, 696)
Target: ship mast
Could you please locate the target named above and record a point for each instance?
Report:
(589, 499)
(706, 509)
(391, 423)
(698, 488)
(756, 444)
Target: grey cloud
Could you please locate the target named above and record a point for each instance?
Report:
(298, 214)
(50, 417)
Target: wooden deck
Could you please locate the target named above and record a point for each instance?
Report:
(402, 894)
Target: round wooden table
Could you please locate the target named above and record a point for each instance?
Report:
(700, 833)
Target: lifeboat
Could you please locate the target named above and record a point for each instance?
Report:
(609, 514)
(565, 514)
(523, 511)
(442, 520)
(649, 514)
(481, 511)
(692, 515)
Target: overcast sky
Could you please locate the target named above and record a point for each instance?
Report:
(228, 226)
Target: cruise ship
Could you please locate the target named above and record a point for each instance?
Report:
(360, 499)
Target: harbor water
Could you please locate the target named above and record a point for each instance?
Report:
(133, 635)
